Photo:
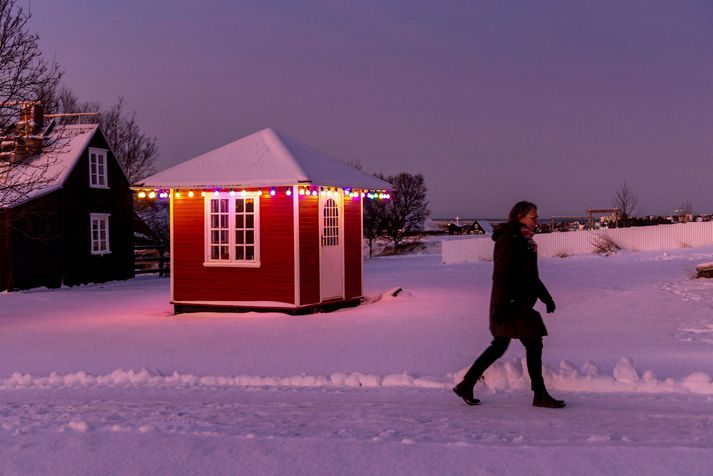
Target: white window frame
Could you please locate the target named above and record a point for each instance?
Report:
(99, 218)
(95, 176)
(232, 262)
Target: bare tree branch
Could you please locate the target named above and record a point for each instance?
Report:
(403, 214)
(626, 201)
(24, 77)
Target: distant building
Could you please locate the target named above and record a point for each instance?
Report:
(76, 227)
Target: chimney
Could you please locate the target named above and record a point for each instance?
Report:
(32, 116)
(29, 141)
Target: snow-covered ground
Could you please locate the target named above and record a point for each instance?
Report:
(103, 380)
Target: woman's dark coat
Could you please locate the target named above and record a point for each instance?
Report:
(516, 286)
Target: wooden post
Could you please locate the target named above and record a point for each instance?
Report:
(161, 262)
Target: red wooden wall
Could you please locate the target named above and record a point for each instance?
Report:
(309, 250)
(272, 281)
(352, 248)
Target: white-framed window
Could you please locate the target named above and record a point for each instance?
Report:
(99, 226)
(97, 168)
(232, 228)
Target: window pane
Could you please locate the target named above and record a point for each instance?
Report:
(232, 229)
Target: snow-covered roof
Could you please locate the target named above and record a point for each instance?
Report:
(265, 158)
(486, 226)
(51, 168)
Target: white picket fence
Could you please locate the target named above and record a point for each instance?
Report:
(659, 237)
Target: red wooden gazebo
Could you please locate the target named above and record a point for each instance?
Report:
(265, 223)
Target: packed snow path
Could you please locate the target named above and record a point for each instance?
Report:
(352, 431)
(103, 380)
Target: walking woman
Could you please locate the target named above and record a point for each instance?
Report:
(516, 288)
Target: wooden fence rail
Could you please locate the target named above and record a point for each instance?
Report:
(151, 259)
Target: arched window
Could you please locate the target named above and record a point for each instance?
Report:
(330, 223)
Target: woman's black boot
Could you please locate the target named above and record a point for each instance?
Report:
(465, 391)
(545, 400)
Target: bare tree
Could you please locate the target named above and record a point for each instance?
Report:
(685, 211)
(24, 75)
(626, 201)
(62, 100)
(374, 220)
(135, 151)
(407, 209)
(356, 163)
(155, 215)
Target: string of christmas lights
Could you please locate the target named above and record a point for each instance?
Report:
(303, 191)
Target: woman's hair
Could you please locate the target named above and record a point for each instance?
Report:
(520, 210)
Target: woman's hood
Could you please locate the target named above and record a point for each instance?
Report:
(506, 228)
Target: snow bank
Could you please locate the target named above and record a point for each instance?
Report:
(625, 378)
(510, 375)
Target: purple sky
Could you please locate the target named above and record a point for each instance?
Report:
(555, 101)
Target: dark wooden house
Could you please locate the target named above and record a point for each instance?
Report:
(75, 225)
(265, 223)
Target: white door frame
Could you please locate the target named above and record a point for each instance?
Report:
(331, 257)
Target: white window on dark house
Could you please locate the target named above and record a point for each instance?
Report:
(99, 233)
(232, 231)
(97, 168)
